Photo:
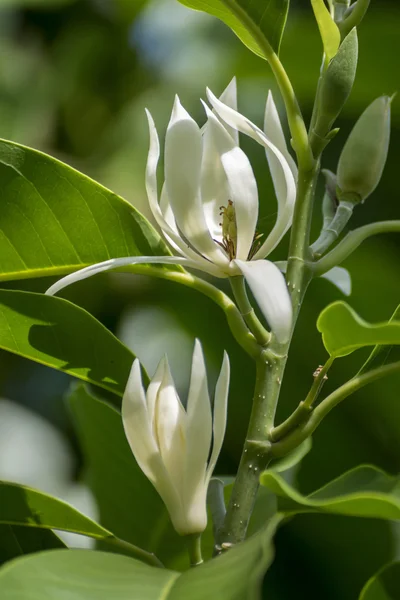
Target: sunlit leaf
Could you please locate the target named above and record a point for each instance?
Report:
(362, 492)
(328, 29)
(257, 24)
(344, 331)
(385, 585)
(54, 220)
(380, 354)
(63, 336)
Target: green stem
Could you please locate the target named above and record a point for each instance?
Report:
(304, 409)
(351, 242)
(256, 452)
(247, 311)
(135, 551)
(194, 549)
(354, 18)
(289, 443)
(330, 233)
(296, 122)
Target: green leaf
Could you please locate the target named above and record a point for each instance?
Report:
(385, 585)
(129, 505)
(17, 541)
(59, 334)
(24, 506)
(259, 24)
(361, 492)
(380, 353)
(328, 29)
(89, 575)
(54, 220)
(344, 331)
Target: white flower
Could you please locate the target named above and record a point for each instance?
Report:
(208, 208)
(172, 445)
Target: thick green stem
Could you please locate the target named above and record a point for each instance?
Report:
(256, 452)
(351, 242)
(290, 442)
(194, 549)
(247, 311)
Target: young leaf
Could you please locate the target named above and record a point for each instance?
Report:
(385, 585)
(54, 220)
(361, 492)
(56, 333)
(328, 29)
(344, 331)
(380, 353)
(258, 24)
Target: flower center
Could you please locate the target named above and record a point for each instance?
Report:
(229, 229)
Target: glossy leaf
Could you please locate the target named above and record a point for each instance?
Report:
(328, 29)
(258, 24)
(129, 505)
(56, 333)
(17, 541)
(24, 506)
(344, 331)
(54, 220)
(385, 585)
(362, 492)
(89, 575)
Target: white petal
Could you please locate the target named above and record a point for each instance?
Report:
(229, 97)
(138, 431)
(170, 426)
(183, 156)
(274, 132)
(115, 263)
(152, 392)
(199, 426)
(340, 277)
(241, 181)
(166, 222)
(285, 184)
(270, 291)
(220, 414)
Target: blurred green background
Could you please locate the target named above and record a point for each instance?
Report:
(75, 77)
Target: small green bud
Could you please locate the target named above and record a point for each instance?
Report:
(337, 83)
(363, 157)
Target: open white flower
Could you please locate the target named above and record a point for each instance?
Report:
(208, 208)
(172, 445)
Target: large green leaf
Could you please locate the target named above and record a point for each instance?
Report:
(129, 505)
(88, 575)
(344, 331)
(55, 220)
(17, 540)
(385, 585)
(59, 334)
(258, 23)
(362, 492)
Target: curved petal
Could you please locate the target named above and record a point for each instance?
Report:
(220, 414)
(199, 426)
(115, 263)
(166, 221)
(340, 277)
(241, 181)
(229, 97)
(285, 185)
(183, 157)
(138, 432)
(270, 291)
(274, 132)
(170, 427)
(152, 392)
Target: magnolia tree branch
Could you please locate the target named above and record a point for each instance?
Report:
(351, 242)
